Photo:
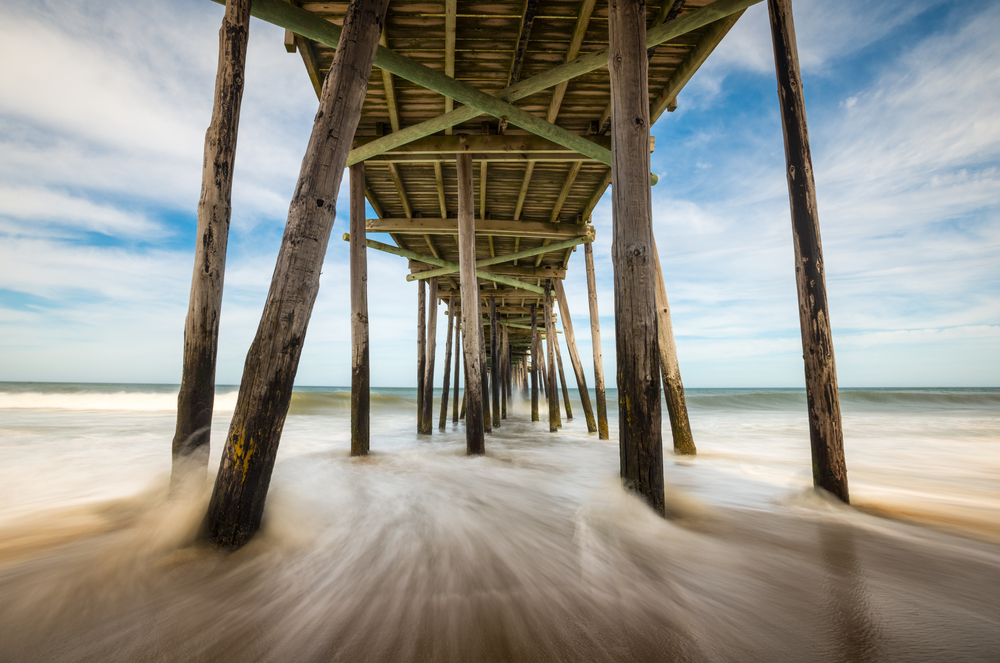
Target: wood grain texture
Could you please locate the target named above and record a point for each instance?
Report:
(427, 415)
(574, 356)
(471, 321)
(535, 348)
(360, 369)
(639, 416)
(237, 501)
(825, 426)
(551, 388)
(595, 338)
(196, 399)
(421, 350)
(446, 382)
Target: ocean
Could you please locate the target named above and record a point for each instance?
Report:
(534, 552)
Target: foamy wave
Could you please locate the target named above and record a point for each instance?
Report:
(103, 401)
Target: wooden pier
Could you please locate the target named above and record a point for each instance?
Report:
(483, 135)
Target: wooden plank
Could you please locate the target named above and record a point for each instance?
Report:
(579, 31)
(529, 169)
(523, 35)
(450, 21)
(543, 272)
(390, 89)
(574, 357)
(564, 192)
(822, 394)
(486, 262)
(360, 370)
(398, 183)
(237, 502)
(439, 183)
(195, 401)
(473, 330)
(639, 416)
(307, 50)
(435, 226)
(595, 338)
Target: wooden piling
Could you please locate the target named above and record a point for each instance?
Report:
(639, 416)
(574, 356)
(673, 387)
(595, 338)
(427, 405)
(562, 378)
(237, 501)
(535, 345)
(825, 427)
(458, 349)
(485, 374)
(551, 389)
(472, 322)
(360, 372)
(495, 378)
(196, 399)
(447, 364)
(421, 348)
(503, 373)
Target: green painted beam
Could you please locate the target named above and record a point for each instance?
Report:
(486, 262)
(450, 267)
(529, 86)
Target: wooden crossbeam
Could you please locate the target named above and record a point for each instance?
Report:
(439, 182)
(481, 144)
(507, 257)
(579, 31)
(544, 272)
(431, 226)
(398, 182)
(564, 193)
(271, 11)
(390, 89)
(449, 267)
(524, 34)
(450, 20)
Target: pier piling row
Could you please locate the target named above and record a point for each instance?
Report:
(487, 201)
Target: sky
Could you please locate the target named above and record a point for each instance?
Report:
(103, 109)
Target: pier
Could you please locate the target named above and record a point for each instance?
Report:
(483, 135)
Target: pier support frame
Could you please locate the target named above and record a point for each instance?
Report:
(196, 399)
(472, 323)
(237, 502)
(825, 426)
(639, 415)
(360, 370)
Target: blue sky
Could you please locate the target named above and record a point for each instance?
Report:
(103, 108)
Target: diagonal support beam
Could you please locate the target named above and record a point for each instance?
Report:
(448, 267)
(486, 262)
(310, 25)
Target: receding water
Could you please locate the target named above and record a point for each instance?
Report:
(532, 553)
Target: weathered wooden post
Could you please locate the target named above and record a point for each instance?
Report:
(360, 373)
(551, 389)
(503, 374)
(562, 379)
(543, 366)
(534, 363)
(485, 373)
(574, 356)
(825, 427)
(237, 502)
(421, 350)
(458, 346)
(472, 322)
(595, 337)
(447, 364)
(495, 379)
(196, 400)
(427, 416)
(639, 416)
(673, 387)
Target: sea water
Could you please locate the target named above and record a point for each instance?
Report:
(534, 552)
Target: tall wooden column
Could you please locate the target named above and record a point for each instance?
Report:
(427, 415)
(640, 437)
(485, 373)
(360, 373)
(495, 379)
(237, 502)
(574, 356)
(562, 377)
(825, 428)
(504, 373)
(595, 338)
(673, 387)
(535, 346)
(421, 350)
(196, 400)
(458, 349)
(551, 389)
(447, 364)
(472, 322)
